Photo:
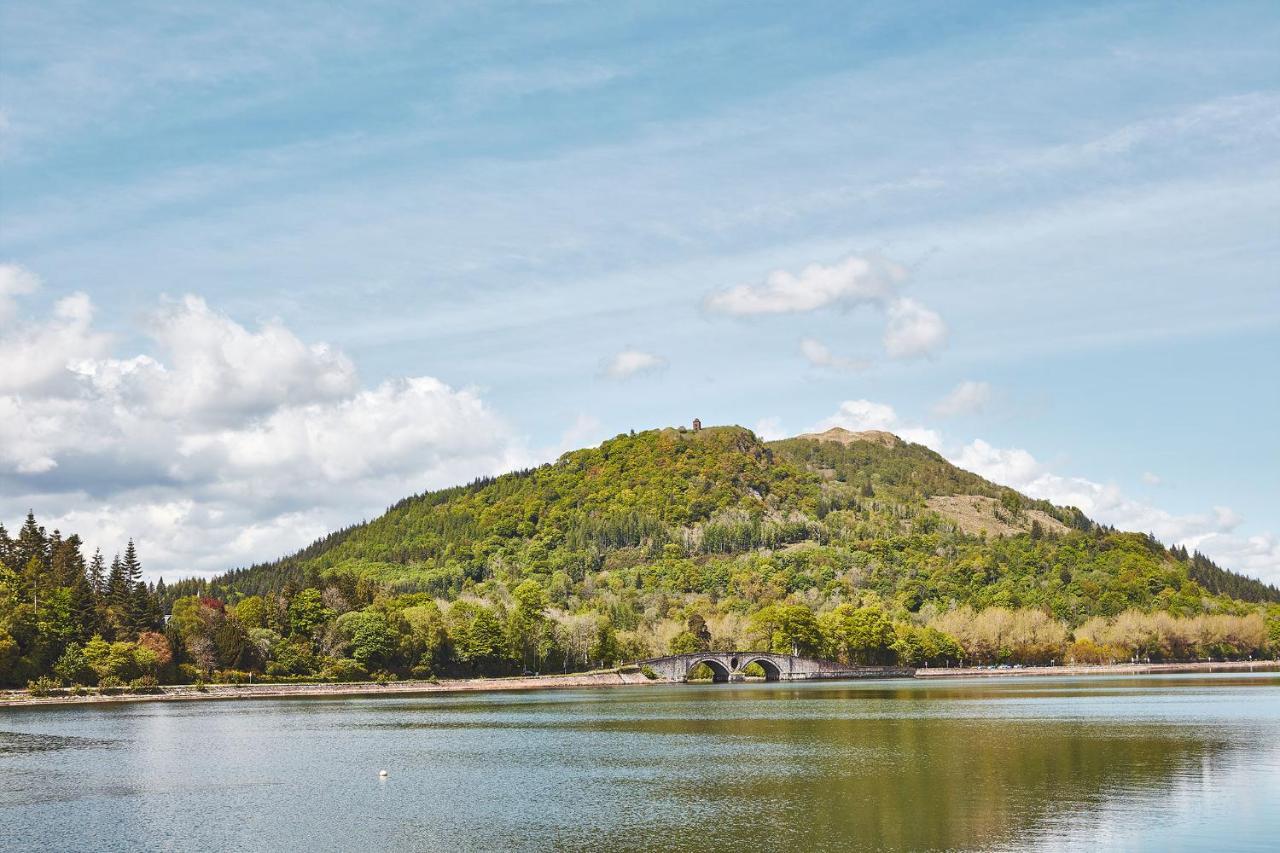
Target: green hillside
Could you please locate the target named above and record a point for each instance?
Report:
(718, 514)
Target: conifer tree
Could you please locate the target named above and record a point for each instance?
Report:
(84, 608)
(98, 573)
(31, 553)
(132, 567)
(141, 609)
(67, 563)
(31, 543)
(117, 591)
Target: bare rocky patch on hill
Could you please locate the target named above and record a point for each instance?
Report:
(974, 514)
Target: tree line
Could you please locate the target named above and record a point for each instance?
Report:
(55, 607)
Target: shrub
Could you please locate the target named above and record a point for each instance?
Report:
(647, 672)
(109, 685)
(346, 669)
(44, 686)
(145, 684)
(232, 676)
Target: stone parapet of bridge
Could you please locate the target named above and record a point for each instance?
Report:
(730, 666)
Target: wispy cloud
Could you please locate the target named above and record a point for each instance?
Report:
(819, 355)
(632, 362)
(14, 281)
(967, 398)
(913, 330)
(854, 281)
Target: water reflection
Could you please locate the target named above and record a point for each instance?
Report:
(1189, 761)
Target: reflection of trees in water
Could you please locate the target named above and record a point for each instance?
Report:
(917, 782)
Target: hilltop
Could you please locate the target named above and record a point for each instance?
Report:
(720, 515)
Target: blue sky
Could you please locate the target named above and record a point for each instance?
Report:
(268, 269)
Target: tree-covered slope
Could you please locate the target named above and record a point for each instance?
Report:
(719, 514)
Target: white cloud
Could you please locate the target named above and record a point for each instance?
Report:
(222, 445)
(859, 415)
(913, 330)
(583, 432)
(967, 398)
(817, 354)
(14, 281)
(770, 429)
(1151, 479)
(631, 362)
(1257, 556)
(36, 356)
(415, 424)
(212, 368)
(853, 281)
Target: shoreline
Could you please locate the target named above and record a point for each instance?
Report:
(611, 678)
(1102, 669)
(187, 693)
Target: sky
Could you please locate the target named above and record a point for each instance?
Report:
(267, 268)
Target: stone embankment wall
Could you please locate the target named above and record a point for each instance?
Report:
(1103, 669)
(363, 688)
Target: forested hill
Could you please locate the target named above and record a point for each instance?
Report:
(718, 515)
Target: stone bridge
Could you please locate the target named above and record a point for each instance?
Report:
(729, 666)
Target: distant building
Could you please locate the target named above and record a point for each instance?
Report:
(697, 424)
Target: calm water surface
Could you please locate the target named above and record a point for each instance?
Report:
(1156, 763)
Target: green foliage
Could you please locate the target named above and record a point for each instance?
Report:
(859, 635)
(308, 613)
(73, 667)
(44, 686)
(372, 642)
(685, 643)
(346, 669)
(252, 612)
(787, 629)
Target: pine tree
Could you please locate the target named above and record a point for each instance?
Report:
(6, 548)
(139, 606)
(132, 567)
(117, 591)
(141, 609)
(84, 608)
(98, 573)
(67, 563)
(31, 553)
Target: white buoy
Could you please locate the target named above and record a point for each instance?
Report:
(382, 773)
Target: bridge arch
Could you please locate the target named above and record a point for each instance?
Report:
(772, 672)
(719, 672)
